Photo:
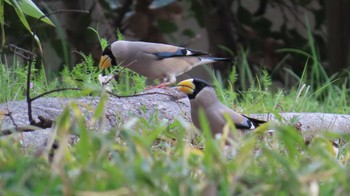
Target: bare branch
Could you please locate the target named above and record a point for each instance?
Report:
(141, 94)
(30, 60)
(9, 114)
(10, 131)
(25, 54)
(54, 91)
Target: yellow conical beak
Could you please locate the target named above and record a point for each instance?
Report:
(105, 62)
(186, 86)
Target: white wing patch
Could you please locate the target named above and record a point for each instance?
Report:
(189, 53)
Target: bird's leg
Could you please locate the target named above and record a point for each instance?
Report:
(171, 78)
(104, 81)
(161, 85)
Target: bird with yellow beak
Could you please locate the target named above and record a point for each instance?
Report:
(154, 60)
(202, 96)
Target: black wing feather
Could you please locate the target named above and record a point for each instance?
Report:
(250, 122)
(180, 53)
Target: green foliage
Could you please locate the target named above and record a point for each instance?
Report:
(84, 75)
(141, 157)
(29, 8)
(103, 42)
(2, 22)
(12, 83)
(22, 8)
(263, 96)
(120, 35)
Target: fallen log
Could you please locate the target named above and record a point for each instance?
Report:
(166, 103)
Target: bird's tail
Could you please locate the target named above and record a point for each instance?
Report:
(208, 60)
(217, 59)
(256, 122)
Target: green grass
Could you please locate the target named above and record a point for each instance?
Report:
(141, 158)
(84, 75)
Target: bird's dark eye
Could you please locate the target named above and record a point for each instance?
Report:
(107, 50)
(200, 84)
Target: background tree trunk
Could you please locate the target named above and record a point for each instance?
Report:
(221, 30)
(338, 24)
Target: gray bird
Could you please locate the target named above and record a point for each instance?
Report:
(154, 60)
(202, 95)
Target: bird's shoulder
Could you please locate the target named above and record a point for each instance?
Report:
(235, 116)
(241, 121)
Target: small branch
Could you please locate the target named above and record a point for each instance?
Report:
(25, 54)
(141, 94)
(9, 114)
(29, 101)
(10, 131)
(30, 60)
(119, 72)
(54, 91)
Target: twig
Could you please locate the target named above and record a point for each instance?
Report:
(30, 60)
(9, 114)
(29, 101)
(26, 54)
(119, 72)
(141, 94)
(54, 91)
(10, 131)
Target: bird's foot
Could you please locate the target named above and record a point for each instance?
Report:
(105, 79)
(105, 82)
(162, 85)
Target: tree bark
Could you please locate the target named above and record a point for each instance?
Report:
(221, 30)
(166, 104)
(338, 25)
(76, 26)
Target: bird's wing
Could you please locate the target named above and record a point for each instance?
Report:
(242, 121)
(162, 51)
(180, 52)
(254, 121)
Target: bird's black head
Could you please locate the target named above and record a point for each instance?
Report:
(107, 58)
(108, 52)
(192, 86)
